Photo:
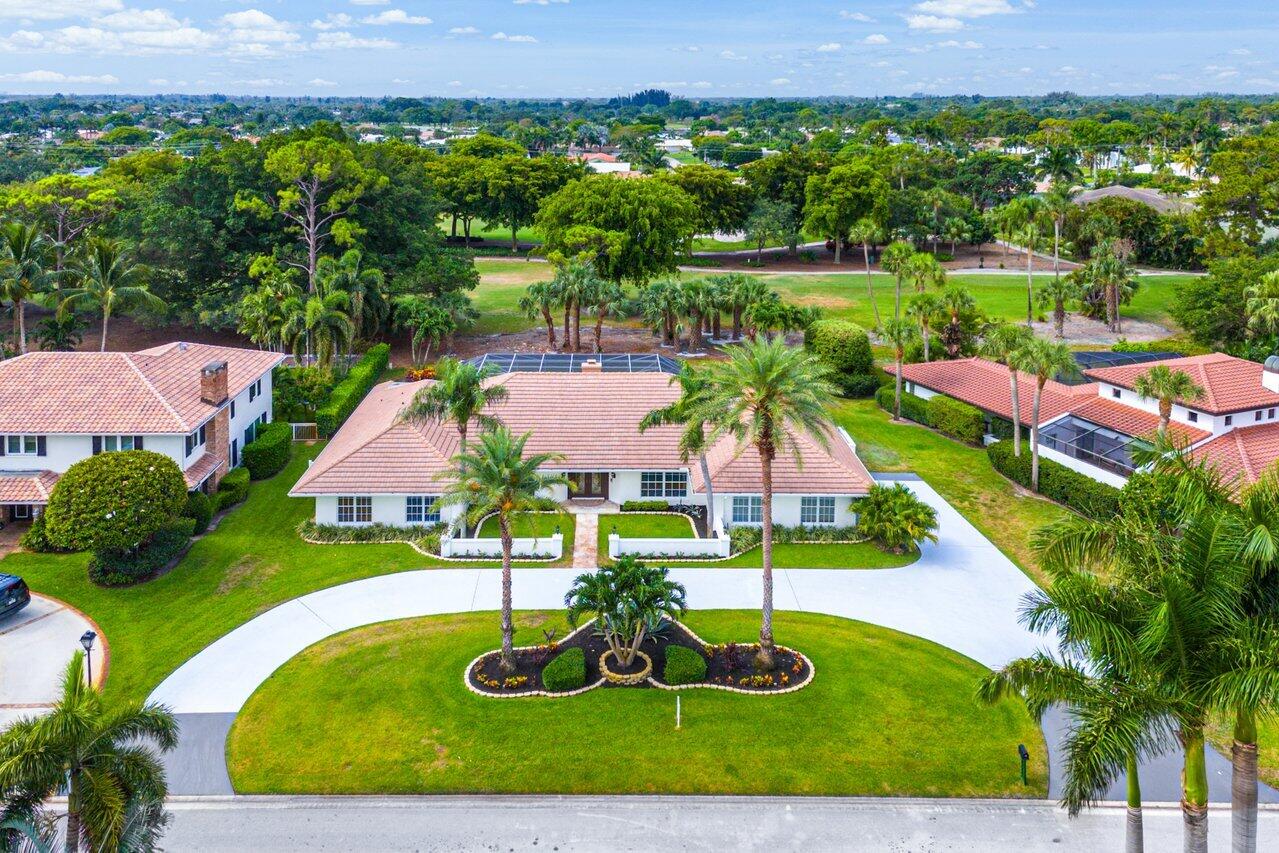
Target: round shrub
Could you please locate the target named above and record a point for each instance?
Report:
(114, 501)
(233, 488)
(567, 672)
(200, 510)
(124, 568)
(684, 666)
(845, 348)
(36, 538)
(267, 454)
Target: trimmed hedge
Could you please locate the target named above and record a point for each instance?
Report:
(348, 393)
(743, 537)
(343, 534)
(956, 419)
(233, 489)
(567, 672)
(845, 348)
(683, 666)
(200, 510)
(123, 568)
(1002, 428)
(913, 408)
(645, 506)
(114, 501)
(269, 452)
(1057, 482)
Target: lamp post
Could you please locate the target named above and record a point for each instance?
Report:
(1024, 755)
(86, 640)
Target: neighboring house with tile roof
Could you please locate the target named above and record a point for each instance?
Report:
(199, 404)
(381, 468)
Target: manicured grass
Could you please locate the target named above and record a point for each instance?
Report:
(534, 525)
(1221, 736)
(253, 561)
(481, 230)
(822, 555)
(383, 709)
(1004, 513)
(644, 525)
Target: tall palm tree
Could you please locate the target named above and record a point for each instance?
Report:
(1042, 360)
(957, 231)
(698, 301)
(573, 284)
(538, 300)
(662, 302)
(1058, 202)
(898, 333)
(22, 271)
(1054, 295)
(363, 285)
(108, 279)
(744, 292)
(1263, 305)
(692, 441)
(1165, 385)
(1059, 164)
(923, 270)
(97, 750)
(1109, 270)
(1029, 237)
(957, 302)
(494, 476)
(868, 233)
(923, 309)
(767, 395)
(1001, 341)
(895, 259)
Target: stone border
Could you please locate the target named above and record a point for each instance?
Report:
(645, 674)
(466, 673)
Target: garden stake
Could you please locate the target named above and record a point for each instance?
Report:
(677, 711)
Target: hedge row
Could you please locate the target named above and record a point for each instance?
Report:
(268, 453)
(913, 408)
(200, 510)
(645, 506)
(957, 419)
(233, 489)
(1057, 482)
(341, 534)
(361, 378)
(743, 537)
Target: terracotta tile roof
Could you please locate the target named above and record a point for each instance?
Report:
(1242, 454)
(985, 384)
(1230, 384)
(835, 471)
(1133, 421)
(27, 487)
(590, 418)
(200, 470)
(154, 391)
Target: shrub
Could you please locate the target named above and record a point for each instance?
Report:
(233, 489)
(338, 534)
(1177, 345)
(684, 666)
(956, 419)
(114, 501)
(566, 672)
(646, 506)
(121, 568)
(913, 408)
(743, 538)
(1057, 482)
(865, 385)
(896, 518)
(1003, 428)
(845, 348)
(267, 454)
(296, 392)
(37, 539)
(348, 393)
(200, 510)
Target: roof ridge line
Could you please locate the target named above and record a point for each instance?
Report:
(128, 358)
(1243, 456)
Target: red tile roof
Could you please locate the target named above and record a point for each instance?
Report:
(27, 487)
(985, 384)
(1230, 384)
(154, 391)
(1242, 454)
(1133, 421)
(201, 469)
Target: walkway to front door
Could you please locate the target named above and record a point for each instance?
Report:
(586, 540)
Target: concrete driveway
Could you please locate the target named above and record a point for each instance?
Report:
(35, 645)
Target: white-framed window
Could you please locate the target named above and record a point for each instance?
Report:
(748, 509)
(110, 443)
(196, 439)
(663, 484)
(1193, 417)
(355, 510)
(255, 390)
(816, 510)
(418, 509)
(22, 445)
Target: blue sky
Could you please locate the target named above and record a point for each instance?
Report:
(510, 48)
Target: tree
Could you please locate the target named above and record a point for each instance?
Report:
(458, 180)
(538, 300)
(67, 207)
(22, 267)
(1058, 203)
(959, 306)
(1165, 385)
(319, 323)
(768, 221)
(692, 441)
(484, 146)
(1237, 200)
(515, 185)
(574, 284)
(896, 518)
(991, 179)
(923, 309)
(607, 298)
(1059, 164)
(1029, 238)
(364, 287)
(427, 322)
(956, 230)
(1042, 360)
(262, 313)
(698, 301)
(923, 270)
(114, 501)
(766, 395)
(1055, 294)
(1109, 272)
(106, 279)
(895, 259)
(898, 333)
(627, 600)
(494, 476)
(662, 302)
(868, 233)
(1001, 343)
(99, 751)
(723, 203)
(834, 202)
(1263, 305)
(741, 292)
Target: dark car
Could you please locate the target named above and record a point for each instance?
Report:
(14, 595)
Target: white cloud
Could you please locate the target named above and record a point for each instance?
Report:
(500, 36)
(962, 45)
(464, 31)
(829, 47)
(400, 80)
(856, 16)
(369, 2)
(933, 23)
(875, 38)
(43, 10)
(139, 19)
(334, 21)
(261, 82)
(728, 54)
(1239, 51)
(321, 82)
(57, 77)
(396, 16)
(700, 84)
(342, 40)
(459, 83)
(779, 81)
(539, 2)
(965, 8)
(158, 81)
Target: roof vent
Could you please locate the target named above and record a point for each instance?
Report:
(1270, 375)
(182, 346)
(591, 366)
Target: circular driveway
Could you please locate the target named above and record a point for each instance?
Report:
(35, 645)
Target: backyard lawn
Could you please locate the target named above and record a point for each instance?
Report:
(887, 714)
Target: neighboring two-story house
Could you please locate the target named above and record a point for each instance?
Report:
(198, 404)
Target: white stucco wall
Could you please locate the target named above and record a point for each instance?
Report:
(786, 509)
(247, 412)
(1216, 424)
(63, 451)
(387, 509)
(1098, 474)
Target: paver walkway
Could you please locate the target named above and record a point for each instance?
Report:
(586, 540)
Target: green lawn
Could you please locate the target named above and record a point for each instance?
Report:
(534, 525)
(481, 230)
(832, 555)
(383, 709)
(643, 525)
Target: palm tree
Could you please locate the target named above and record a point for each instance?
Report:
(538, 300)
(1042, 360)
(692, 441)
(1055, 294)
(1058, 203)
(957, 302)
(606, 298)
(108, 279)
(25, 251)
(868, 233)
(1029, 236)
(573, 283)
(1059, 164)
(1001, 341)
(1166, 386)
(766, 395)
(363, 286)
(662, 303)
(628, 600)
(495, 476)
(1109, 270)
(956, 230)
(923, 270)
(745, 291)
(895, 259)
(898, 333)
(319, 323)
(698, 301)
(1263, 305)
(896, 518)
(923, 309)
(97, 750)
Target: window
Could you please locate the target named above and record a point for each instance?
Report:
(748, 509)
(1193, 417)
(196, 439)
(1270, 414)
(355, 510)
(417, 509)
(262, 418)
(253, 392)
(233, 408)
(24, 445)
(663, 484)
(1230, 419)
(1116, 393)
(109, 443)
(1257, 417)
(816, 510)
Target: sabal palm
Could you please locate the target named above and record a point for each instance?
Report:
(493, 475)
(957, 302)
(745, 291)
(1042, 360)
(1108, 270)
(1054, 295)
(1165, 385)
(924, 309)
(573, 284)
(867, 232)
(22, 274)
(896, 259)
(628, 600)
(692, 441)
(538, 300)
(999, 344)
(957, 231)
(767, 395)
(1263, 305)
(98, 750)
(923, 270)
(662, 302)
(106, 279)
(606, 299)
(698, 300)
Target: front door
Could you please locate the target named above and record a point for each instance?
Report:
(589, 484)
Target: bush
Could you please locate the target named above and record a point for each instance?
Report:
(913, 408)
(37, 539)
(567, 672)
(121, 568)
(1177, 345)
(684, 666)
(233, 489)
(114, 501)
(361, 378)
(896, 518)
(956, 419)
(1003, 428)
(861, 386)
(1057, 482)
(743, 537)
(646, 506)
(200, 510)
(338, 534)
(845, 348)
(296, 392)
(269, 452)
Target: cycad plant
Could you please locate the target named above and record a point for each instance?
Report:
(629, 601)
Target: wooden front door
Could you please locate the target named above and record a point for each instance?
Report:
(588, 484)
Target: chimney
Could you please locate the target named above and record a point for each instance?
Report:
(1270, 374)
(213, 387)
(592, 366)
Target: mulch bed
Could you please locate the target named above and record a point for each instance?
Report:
(729, 665)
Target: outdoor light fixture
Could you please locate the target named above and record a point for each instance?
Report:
(1024, 754)
(86, 640)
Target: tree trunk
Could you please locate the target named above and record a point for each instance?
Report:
(1243, 785)
(923, 331)
(515, 245)
(1016, 404)
(838, 245)
(568, 324)
(1059, 319)
(897, 395)
(1194, 798)
(20, 309)
(508, 629)
(710, 495)
(1056, 247)
(550, 327)
(870, 284)
(1134, 835)
(1030, 288)
(1034, 437)
(72, 841)
(715, 321)
(106, 319)
(577, 325)
(599, 327)
(453, 234)
(695, 332)
(764, 660)
(737, 322)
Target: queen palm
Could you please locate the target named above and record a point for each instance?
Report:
(98, 750)
(108, 279)
(923, 270)
(868, 233)
(1165, 385)
(538, 300)
(1042, 360)
(896, 260)
(494, 476)
(766, 395)
(1109, 270)
(923, 309)
(22, 271)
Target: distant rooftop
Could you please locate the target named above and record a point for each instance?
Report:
(1091, 360)
(518, 362)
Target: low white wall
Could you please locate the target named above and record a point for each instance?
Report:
(543, 547)
(1099, 474)
(700, 548)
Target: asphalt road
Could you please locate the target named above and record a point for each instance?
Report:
(546, 824)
